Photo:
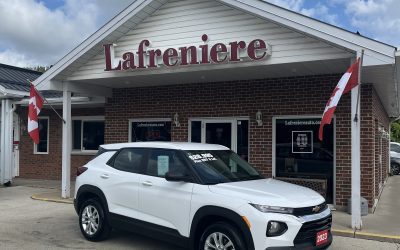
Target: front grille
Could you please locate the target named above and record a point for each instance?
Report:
(302, 211)
(309, 230)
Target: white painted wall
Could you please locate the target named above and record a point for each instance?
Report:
(182, 23)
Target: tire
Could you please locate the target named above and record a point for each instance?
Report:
(224, 232)
(93, 221)
(395, 169)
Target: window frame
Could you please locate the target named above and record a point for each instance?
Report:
(48, 137)
(84, 119)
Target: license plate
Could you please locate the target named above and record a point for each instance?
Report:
(322, 237)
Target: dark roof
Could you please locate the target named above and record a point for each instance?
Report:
(15, 78)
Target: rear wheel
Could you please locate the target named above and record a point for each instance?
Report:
(221, 236)
(395, 168)
(92, 221)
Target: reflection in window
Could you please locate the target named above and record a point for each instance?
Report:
(87, 135)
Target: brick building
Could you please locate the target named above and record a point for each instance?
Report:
(251, 76)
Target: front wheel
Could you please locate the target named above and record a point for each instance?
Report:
(92, 221)
(221, 236)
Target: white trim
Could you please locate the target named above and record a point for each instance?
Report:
(84, 119)
(48, 137)
(274, 118)
(145, 120)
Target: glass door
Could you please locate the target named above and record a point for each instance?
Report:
(232, 133)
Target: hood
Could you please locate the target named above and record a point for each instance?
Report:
(269, 192)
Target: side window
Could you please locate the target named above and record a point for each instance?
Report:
(162, 161)
(129, 160)
(395, 148)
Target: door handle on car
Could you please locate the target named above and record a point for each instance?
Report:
(104, 176)
(147, 183)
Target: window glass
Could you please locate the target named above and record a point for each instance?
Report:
(76, 135)
(395, 148)
(151, 131)
(195, 131)
(162, 161)
(243, 139)
(87, 135)
(129, 160)
(43, 136)
(93, 135)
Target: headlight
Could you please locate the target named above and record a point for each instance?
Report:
(273, 209)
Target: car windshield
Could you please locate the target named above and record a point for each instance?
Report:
(219, 166)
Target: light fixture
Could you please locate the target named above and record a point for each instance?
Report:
(259, 118)
(176, 120)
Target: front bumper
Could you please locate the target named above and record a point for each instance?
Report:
(301, 234)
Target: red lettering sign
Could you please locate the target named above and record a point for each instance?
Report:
(256, 50)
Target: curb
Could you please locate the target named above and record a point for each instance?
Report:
(367, 236)
(65, 201)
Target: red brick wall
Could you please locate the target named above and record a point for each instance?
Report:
(48, 166)
(274, 97)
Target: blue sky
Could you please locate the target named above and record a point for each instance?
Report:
(40, 32)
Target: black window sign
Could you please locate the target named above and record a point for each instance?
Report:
(302, 142)
(151, 131)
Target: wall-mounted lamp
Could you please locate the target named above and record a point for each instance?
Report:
(259, 118)
(176, 120)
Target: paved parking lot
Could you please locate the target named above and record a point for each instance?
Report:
(31, 224)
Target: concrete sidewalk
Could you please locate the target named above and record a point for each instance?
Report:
(382, 225)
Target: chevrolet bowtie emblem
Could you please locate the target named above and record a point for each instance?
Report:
(316, 209)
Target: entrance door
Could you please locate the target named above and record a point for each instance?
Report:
(232, 133)
(301, 158)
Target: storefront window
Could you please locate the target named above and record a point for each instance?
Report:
(300, 154)
(43, 146)
(87, 134)
(150, 131)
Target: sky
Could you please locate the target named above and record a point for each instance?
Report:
(41, 32)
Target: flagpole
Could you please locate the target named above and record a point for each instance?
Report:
(51, 106)
(359, 84)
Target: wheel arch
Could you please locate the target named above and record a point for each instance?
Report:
(89, 191)
(205, 215)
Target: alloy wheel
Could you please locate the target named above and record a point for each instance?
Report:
(90, 220)
(218, 241)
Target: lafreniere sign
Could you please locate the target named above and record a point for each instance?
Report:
(146, 57)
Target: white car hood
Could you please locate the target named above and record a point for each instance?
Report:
(269, 192)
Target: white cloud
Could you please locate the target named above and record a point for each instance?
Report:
(379, 20)
(31, 34)
(295, 5)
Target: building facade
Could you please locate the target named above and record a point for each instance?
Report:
(251, 76)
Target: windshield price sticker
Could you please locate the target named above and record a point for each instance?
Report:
(197, 158)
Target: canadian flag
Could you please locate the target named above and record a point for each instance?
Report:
(35, 105)
(348, 81)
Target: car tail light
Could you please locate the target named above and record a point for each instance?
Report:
(81, 170)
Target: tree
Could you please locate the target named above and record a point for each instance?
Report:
(39, 68)
(395, 131)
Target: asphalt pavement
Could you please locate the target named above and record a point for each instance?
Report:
(32, 224)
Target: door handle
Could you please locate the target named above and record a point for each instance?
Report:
(147, 183)
(104, 176)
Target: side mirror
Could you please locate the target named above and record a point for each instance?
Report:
(177, 176)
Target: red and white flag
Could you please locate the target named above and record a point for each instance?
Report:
(348, 81)
(35, 105)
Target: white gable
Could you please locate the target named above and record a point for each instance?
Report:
(182, 23)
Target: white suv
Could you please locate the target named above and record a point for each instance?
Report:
(200, 196)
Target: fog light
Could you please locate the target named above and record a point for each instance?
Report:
(276, 228)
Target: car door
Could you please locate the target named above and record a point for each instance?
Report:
(163, 202)
(120, 182)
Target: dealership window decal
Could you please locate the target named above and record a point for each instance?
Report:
(43, 146)
(87, 134)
